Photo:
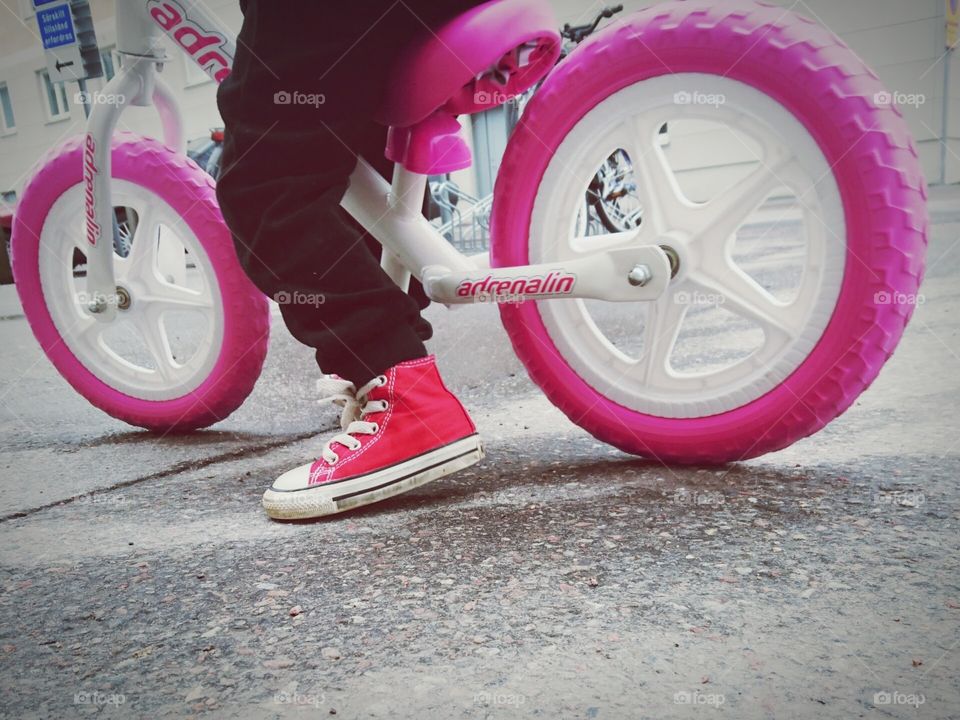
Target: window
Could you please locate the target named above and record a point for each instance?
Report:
(8, 123)
(110, 60)
(55, 96)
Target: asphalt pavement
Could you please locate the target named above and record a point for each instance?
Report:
(559, 578)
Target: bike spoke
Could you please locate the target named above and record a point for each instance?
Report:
(165, 297)
(88, 331)
(154, 336)
(742, 295)
(626, 219)
(171, 259)
(143, 249)
(720, 218)
(590, 244)
(664, 318)
(659, 190)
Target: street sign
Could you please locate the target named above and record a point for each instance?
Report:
(69, 42)
(59, 40)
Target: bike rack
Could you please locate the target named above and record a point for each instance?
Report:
(465, 218)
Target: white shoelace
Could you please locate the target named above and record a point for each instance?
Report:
(356, 407)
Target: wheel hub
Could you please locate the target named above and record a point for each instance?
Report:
(123, 298)
(674, 257)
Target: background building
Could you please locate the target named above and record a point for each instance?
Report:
(903, 41)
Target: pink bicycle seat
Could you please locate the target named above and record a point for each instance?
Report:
(476, 61)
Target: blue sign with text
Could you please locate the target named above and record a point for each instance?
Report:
(56, 27)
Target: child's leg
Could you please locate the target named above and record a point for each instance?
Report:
(299, 247)
(286, 165)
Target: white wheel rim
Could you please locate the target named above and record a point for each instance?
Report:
(703, 233)
(172, 287)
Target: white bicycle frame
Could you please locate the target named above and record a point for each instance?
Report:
(391, 213)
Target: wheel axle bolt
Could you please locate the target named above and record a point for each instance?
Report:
(97, 305)
(640, 275)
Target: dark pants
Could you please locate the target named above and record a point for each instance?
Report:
(298, 109)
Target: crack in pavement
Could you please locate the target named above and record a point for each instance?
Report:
(183, 466)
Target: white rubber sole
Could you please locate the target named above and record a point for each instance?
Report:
(331, 498)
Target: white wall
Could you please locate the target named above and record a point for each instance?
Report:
(902, 40)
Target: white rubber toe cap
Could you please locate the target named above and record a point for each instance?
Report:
(296, 479)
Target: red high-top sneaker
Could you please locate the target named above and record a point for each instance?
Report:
(402, 429)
